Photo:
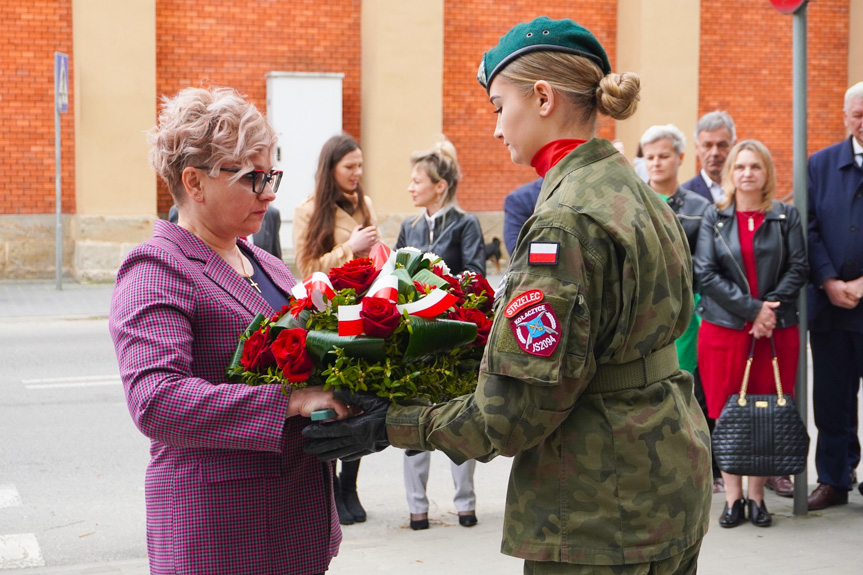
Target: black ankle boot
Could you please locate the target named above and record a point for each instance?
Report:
(353, 505)
(759, 516)
(733, 516)
(345, 516)
(348, 482)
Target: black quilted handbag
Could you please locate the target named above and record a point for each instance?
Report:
(760, 435)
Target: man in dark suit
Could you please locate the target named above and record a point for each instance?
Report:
(267, 239)
(517, 208)
(714, 136)
(835, 311)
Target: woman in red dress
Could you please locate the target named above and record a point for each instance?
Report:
(751, 261)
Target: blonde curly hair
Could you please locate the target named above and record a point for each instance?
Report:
(206, 127)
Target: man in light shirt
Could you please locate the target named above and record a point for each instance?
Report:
(714, 136)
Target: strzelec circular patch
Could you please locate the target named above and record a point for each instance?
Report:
(536, 330)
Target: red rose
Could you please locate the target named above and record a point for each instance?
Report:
(477, 286)
(357, 274)
(291, 356)
(380, 316)
(474, 316)
(257, 355)
(455, 289)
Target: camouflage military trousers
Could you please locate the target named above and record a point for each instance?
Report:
(684, 563)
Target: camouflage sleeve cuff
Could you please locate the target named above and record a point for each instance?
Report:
(403, 428)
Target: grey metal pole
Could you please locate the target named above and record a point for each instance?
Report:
(801, 203)
(58, 241)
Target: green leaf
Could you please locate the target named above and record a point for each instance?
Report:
(238, 353)
(409, 260)
(429, 278)
(431, 336)
(321, 346)
(406, 283)
(288, 321)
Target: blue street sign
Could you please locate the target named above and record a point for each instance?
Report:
(61, 82)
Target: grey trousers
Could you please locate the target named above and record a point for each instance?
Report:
(416, 469)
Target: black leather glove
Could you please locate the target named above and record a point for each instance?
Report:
(354, 437)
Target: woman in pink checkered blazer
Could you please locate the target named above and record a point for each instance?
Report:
(228, 488)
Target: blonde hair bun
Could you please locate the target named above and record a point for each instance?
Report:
(617, 95)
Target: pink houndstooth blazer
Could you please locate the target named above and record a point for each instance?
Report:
(228, 487)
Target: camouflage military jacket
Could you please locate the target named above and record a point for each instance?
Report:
(602, 273)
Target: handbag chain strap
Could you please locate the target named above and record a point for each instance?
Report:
(780, 397)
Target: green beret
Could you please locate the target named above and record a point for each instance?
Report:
(541, 34)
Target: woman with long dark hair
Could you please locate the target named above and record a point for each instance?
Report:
(337, 224)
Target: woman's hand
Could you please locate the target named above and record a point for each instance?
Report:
(308, 399)
(362, 239)
(765, 321)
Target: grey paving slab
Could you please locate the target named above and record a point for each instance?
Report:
(26, 299)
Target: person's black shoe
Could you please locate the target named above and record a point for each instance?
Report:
(759, 516)
(418, 524)
(732, 517)
(345, 516)
(468, 520)
(352, 503)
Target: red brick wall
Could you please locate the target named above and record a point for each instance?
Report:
(30, 32)
(746, 69)
(470, 28)
(205, 43)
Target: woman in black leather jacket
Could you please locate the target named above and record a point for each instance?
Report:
(751, 263)
(443, 228)
(454, 235)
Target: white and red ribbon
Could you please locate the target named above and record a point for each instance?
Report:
(350, 322)
(317, 287)
(433, 304)
(386, 286)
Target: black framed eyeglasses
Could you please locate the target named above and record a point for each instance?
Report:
(257, 178)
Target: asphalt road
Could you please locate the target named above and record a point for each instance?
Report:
(71, 460)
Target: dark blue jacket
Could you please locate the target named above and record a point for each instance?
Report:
(517, 207)
(698, 186)
(835, 233)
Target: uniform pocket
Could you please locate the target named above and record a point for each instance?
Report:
(518, 350)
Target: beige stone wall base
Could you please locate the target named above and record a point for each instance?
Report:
(93, 246)
(27, 246)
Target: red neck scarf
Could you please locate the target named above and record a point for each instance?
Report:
(551, 153)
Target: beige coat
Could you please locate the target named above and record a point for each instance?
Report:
(344, 225)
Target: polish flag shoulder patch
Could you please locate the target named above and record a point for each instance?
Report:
(543, 253)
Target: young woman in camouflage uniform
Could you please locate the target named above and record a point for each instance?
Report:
(580, 381)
